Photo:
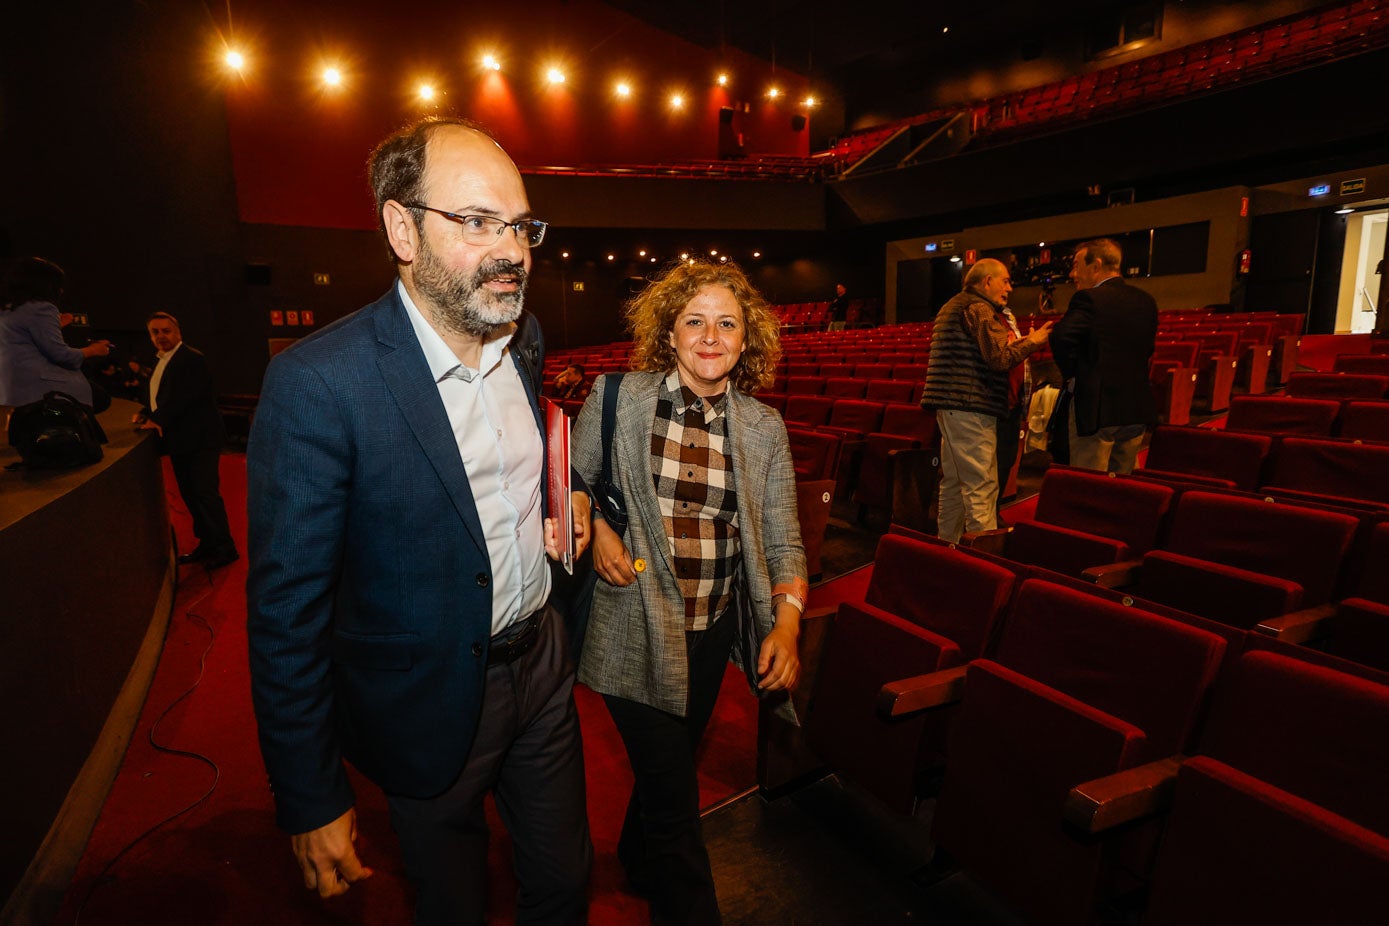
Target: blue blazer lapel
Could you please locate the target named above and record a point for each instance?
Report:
(406, 375)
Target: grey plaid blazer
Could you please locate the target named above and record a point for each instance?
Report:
(635, 646)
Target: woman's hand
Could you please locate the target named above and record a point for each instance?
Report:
(779, 660)
(611, 559)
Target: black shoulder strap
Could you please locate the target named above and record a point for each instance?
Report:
(612, 383)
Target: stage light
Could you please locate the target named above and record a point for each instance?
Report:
(723, 80)
(623, 89)
(677, 101)
(235, 60)
(773, 93)
(332, 77)
(713, 253)
(756, 253)
(612, 257)
(723, 259)
(491, 63)
(554, 76)
(564, 254)
(684, 255)
(809, 102)
(653, 260)
(642, 252)
(426, 92)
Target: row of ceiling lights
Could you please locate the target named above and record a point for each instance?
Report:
(333, 76)
(651, 258)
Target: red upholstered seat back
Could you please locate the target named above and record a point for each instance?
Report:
(1307, 729)
(1373, 580)
(1282, 415)
(805, 385)
(889, 390)
(845, 387)
(808, 410)
(910, 421)
(813, 454)
(950, 593)
(1338, 385)
(1374, 364)
(857, 415)
(1298, 544)
(1146, 670)
(1228, 455)
(1126, 510)
(1365, 420)
(1331, 467)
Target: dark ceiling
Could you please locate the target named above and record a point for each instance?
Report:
(860, 48)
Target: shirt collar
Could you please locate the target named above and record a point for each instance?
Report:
(442, 361)
(683, 399)
(168, 353)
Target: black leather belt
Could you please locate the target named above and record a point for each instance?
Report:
(514, 642)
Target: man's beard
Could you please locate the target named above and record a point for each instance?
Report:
(461, 303)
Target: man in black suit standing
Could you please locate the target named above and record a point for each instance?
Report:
(1103, 345)
(182, 407)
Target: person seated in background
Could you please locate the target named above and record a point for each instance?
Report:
(569, 382)
(34, 358)
(135, 380)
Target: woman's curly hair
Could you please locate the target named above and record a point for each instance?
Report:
(651, 317)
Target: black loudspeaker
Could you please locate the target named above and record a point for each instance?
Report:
(257, 274)
(798, 123)
(725, 115)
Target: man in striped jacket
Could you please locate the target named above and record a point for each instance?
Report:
(967, 386)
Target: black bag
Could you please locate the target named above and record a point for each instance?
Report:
(608, 497)
(56, 432)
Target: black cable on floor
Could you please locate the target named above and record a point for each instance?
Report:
(101, 876)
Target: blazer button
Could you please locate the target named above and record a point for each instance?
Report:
(477, 649)
(483, 580)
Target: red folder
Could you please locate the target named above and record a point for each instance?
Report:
(558, 493)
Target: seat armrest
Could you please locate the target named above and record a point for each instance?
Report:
(1123, 797)
(1114, 575)
(910, 695)
(986, 541)
(1300, 626)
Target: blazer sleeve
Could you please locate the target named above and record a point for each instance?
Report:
(781, 530)
(298, 469)
(47, 332)
(1069, 335)
(585, 447)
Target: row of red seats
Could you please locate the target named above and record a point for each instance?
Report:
(1352, 419)
(1022, 693)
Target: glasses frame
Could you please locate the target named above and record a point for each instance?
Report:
(521, 227)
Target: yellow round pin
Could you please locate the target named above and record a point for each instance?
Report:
(639, 565)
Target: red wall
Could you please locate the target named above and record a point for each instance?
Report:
(300, 152)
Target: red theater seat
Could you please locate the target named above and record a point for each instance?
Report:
(1373, 364)
(1283, 415)
(1338, 385)
(808, 410)
(814, 498)
(1080, 687)
(1364, 420)
(1229, 458)
(1283, 817)
(843, 388)
(815, 455)
(1330, 468)
(904, 427)
(805, 385)
(890, 390)
(928, 607)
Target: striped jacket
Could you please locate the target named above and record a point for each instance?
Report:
(970, 357)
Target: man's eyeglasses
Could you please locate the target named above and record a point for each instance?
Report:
(484, 229)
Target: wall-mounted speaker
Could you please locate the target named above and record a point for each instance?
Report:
(798, 123)
(725, 115)
(257, 274)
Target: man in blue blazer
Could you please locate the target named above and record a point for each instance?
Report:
(398, 584)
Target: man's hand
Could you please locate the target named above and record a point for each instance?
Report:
(1040, 335)
(148, 425)
(327, 857)
(611, 559)
(582, 527)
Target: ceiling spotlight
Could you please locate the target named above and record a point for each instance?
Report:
(723, 258)
(723, 80)
(623, 89)
(756, 253)
(653, 260)
(426, 92)
(677, 101)
(235, 60)
(612, 257)
(945, 30)
(491, 63)
(809, 102)
(1041, 244)
(564, 254)
(684, 255)
(955, 259)
(1344, 210)
(332, 77)
(773, 93)
(642, 252)
(554, 76)
(713, 253)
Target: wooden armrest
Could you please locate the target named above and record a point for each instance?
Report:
(986, 541)
(1114, 575)
(1123, 797)
(1300, 626)
(909, 695)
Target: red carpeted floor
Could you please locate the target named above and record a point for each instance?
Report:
(223, 860)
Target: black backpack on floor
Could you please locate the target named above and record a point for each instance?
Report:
(56, 432)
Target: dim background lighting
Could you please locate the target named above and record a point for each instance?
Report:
(624, 90)
(809, 102)
(612, 257)
(564, 254)
(235, 60)
(756, 253)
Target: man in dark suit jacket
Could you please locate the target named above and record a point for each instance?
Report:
(1103, 345)
(398, 579)
(182, 407)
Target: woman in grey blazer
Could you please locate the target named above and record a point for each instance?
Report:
(710, 493)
